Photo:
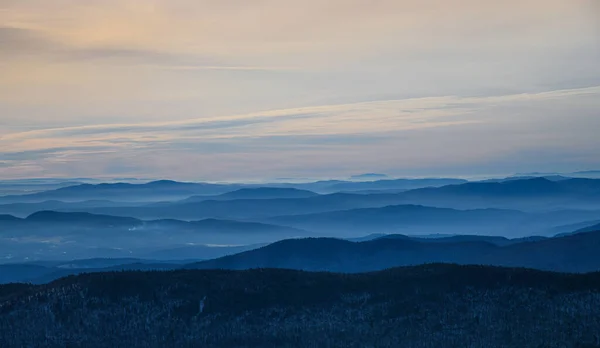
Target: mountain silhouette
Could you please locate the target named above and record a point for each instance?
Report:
(6, 217)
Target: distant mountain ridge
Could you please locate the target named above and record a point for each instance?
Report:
(48, 217)
(256, 193)
(168, 189)
(394, 218)
(369, 176)
(157, 190)
(529, 194)
(536, 194)
(86, 218)
(250, 208)
(395, 184)
(26, 209)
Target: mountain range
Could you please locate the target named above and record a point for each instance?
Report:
(162, 190)
(466, 222)
(573, 253)
(537, 194)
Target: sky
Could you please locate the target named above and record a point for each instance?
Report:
(226, 90)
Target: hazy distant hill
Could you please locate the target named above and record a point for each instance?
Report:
(20, 187)
(8, 218)
(251, 208)
(394, 184)
(53, 217)
(26, 209)
(413, 219)
(592, 174)
(156, 190)
(532, 192)
(368, 176)
(538, 194)
(529, 194)
(575, 253)
(255, 193)
(358, 184)
(416, 307)
(56, 235)
(496, 240)
(513, 178)
(171, 190)
(78, 220)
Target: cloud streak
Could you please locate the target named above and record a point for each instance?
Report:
(363, 128)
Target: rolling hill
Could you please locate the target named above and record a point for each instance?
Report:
(575, 253)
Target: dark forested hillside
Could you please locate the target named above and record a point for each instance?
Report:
(425, 306)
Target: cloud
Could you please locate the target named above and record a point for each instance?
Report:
(54, 152)
(147, 85)
(97, 59)
(19, 42)
(417, 132)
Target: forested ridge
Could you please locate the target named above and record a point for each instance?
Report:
(433, 305)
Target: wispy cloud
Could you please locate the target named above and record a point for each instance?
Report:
(323, 131)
